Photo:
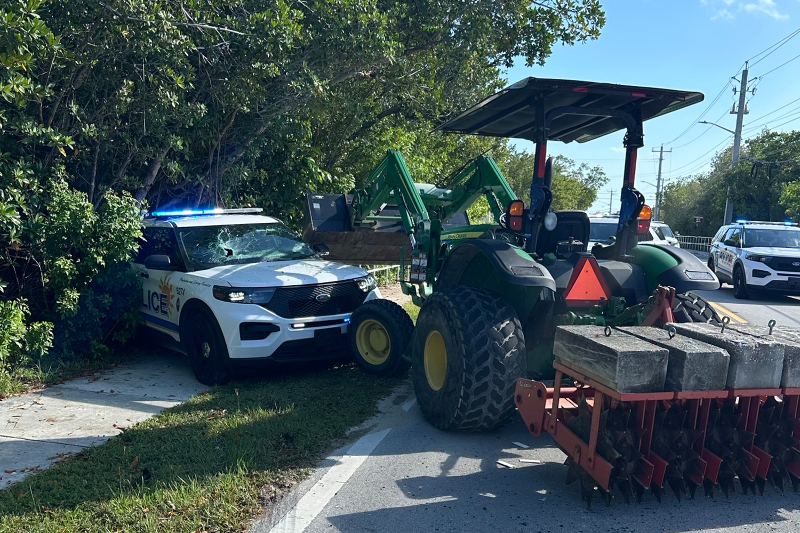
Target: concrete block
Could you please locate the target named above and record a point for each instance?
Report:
(693, 364)
(755, 363)
(789, 338)
(621, 362)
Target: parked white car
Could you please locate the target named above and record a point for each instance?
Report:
(602, 230)
(660, 233)
(233, 286)
(757, 255)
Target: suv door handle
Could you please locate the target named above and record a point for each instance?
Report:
(144, 274)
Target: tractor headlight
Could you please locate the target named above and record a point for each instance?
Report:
(759, 258)
(550, 221)
(366, 284)
(244, 295)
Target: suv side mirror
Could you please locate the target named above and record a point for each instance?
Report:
(729, 242)
(321, 249)
(159, 262)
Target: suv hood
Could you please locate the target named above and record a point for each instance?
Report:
(282, 273)
(775, 252)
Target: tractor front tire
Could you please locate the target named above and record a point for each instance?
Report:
(689, 307)
(379, 334)
(468, 352)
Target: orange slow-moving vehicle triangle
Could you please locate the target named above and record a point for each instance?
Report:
(586, 286)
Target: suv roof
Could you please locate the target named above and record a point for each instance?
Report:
(763, 224)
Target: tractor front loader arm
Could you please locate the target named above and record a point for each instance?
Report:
(480, 177)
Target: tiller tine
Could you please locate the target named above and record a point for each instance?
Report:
(626, 489)
(639, 490)
(760, 483)
(708, 487)
(657, 491)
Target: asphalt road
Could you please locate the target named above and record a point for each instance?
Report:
(759, 309)
(404, 475)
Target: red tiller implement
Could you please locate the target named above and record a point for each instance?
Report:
(640, 441)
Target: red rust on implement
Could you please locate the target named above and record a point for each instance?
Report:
(543, 409)
(663, 299)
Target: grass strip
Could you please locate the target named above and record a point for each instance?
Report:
(412, 310)
(210, 464)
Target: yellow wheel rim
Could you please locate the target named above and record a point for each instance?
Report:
(372, 341)
(435, 359)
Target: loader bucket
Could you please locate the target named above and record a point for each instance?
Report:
(327, 221)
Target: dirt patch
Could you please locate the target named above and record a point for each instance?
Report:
(394, 293)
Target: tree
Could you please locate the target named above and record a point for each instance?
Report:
(184, 101)
(574, 186)
(763, 186)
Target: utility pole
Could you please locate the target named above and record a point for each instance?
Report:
(610, 200)
(658, 181)
(737, 139)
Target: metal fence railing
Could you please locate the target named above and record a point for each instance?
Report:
(384, 275)
(692, 242)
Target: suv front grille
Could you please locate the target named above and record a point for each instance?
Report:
(785, 264)
(300, 302)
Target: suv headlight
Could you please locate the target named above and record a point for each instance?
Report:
(244, 295)
(366, 284)
(759, 258)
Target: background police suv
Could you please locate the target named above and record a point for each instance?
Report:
(233, 286)
(757, 255)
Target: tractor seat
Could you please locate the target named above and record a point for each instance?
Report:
(571, 224)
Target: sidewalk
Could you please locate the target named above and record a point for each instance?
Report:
(39, 428)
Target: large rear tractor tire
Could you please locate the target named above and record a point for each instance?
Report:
(379, 335)
(468, 352)
(689, 307)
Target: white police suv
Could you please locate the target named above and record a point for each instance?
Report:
(757, 255)
(231, 285)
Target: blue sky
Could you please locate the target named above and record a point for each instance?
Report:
(693, 45)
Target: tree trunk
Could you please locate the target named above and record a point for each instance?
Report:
(93, 176)
(150, 177)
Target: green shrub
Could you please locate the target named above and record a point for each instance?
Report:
(20, 343)
(106, 316)
(67, 291)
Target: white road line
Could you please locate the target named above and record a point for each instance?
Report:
(409, 404)
(315, 500)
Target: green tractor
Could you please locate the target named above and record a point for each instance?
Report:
(491, 295)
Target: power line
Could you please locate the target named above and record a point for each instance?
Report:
(726, 139)
(789, 113)
(704, 132)
(774, 47)
(769, 156)
(776, 110)
(694, 123)
(785, 123)
(781, 65)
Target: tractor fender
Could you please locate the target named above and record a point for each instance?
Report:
(512, 264)
(671, 266)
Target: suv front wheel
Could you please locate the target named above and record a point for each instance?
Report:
(711, 268)
(205, 346)
(740, 284)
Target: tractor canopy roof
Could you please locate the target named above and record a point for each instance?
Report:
(512, 111)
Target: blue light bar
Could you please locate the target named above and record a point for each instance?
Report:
(187, 212)
(788, 223)
(741, 221)
(214, 211)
